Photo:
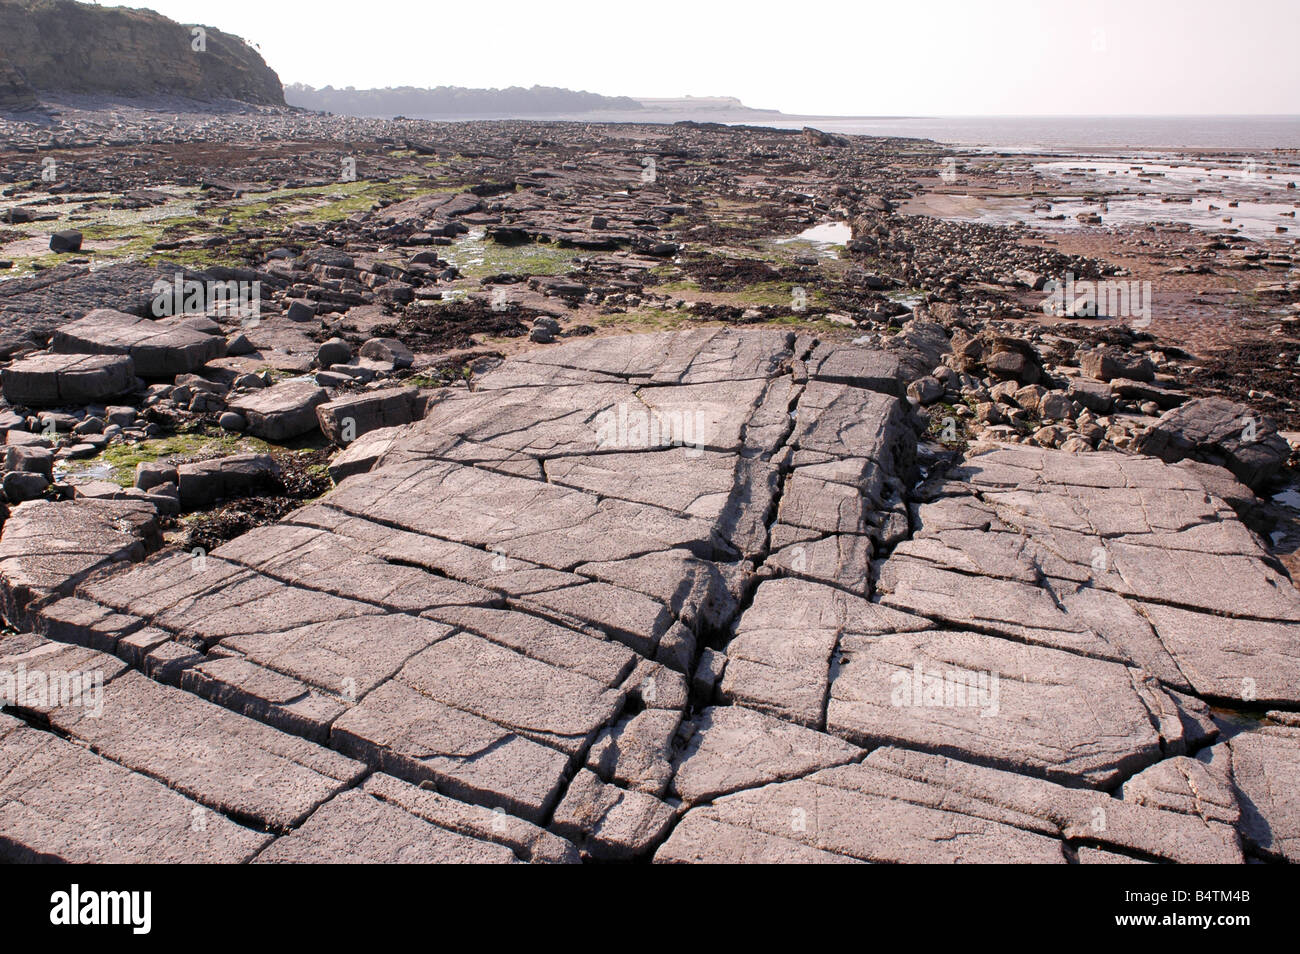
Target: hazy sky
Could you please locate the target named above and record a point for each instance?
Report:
(849, 57)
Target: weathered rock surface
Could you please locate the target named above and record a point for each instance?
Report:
(203, 482)
(356, 828)
(1263, 768)
(901, 806)
(281, 412)
(1106, 364)
(1106, 556)
(50, 546)
(64, 803)
(360, 455)
(345, 419)
(734, 748)
(158, 349)
(1219, 432)
(680, 596)
(609, 822)
(45, 380)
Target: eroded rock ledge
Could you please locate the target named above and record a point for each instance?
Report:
(688, 597)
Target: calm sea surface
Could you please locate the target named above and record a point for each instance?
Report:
(1006, 133)
(1080, 132)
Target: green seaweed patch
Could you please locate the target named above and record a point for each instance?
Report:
(29, 264)
(776, 294)
(806, 322)
(317, 203)
(121, 459)
(478, 258)
(199, 257)
(647, 319)
(680, 286)
(440, 377)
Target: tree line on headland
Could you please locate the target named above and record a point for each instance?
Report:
(454, 101)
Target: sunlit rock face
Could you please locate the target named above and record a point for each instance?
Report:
(687, 596)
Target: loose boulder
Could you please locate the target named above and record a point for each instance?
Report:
(68, 240)
(67, 379)
(281, 412)
(388, 349)
(205, 481)
(345, 419)
(158, 350)
(1218, 431)
(1105, 364)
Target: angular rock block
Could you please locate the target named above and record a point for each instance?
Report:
(356, 828)
(1263, 768)
(526, 840)
(60, 802)
(404, 733)
(281, 412)
(1186, 785)
(50, 380)
(69, 240)
(1220, 432)
(637, 752)
(361, 455)
(1024, 708)
(780, 660)
(347, 418)
(857, 367)
(158, 349)
(50, 546)
(608, 822)
(279, 700)
(205, 481)
(898, 806)
(734, 748)
(225, 761)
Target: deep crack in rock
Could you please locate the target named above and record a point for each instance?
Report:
(684, 596)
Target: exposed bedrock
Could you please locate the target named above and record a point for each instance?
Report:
(693, 596)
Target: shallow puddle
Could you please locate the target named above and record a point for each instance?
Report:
(825, 233)
(824, 239)
(1141, 190)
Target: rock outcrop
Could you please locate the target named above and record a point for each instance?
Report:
(15, 92)
(70, 47)
(675, 596)
(1220, 432)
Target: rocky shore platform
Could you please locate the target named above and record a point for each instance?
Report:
(798, 637)
(525, 492)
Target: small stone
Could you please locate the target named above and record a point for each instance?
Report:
(238, 345)
(20, 485)
(925, 390)
(232, 421)
(66, 241)
(333, 351)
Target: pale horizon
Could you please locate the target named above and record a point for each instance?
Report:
(1011, 58)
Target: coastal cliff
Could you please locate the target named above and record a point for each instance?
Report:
(65, 46)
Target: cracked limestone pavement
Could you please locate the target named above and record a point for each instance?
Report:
(689, 597)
